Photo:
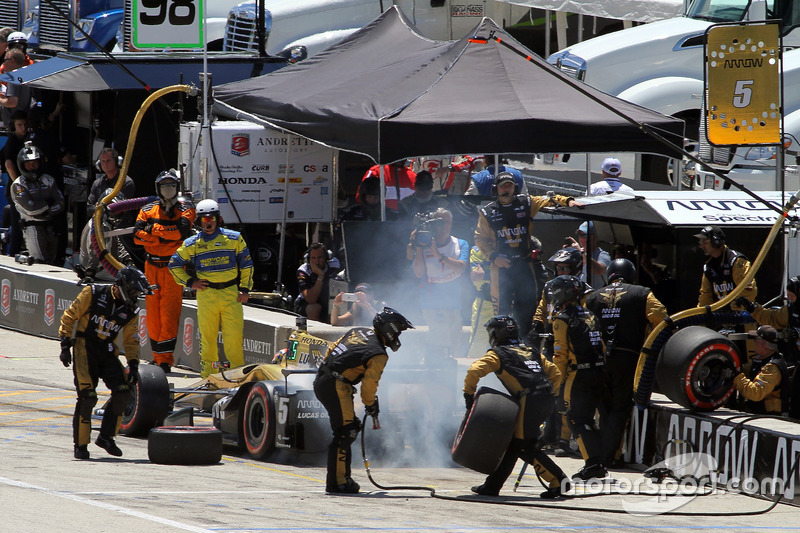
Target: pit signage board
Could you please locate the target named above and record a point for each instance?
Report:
(167, 23)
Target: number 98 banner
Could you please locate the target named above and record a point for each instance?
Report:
(743, 75)
(167, 23)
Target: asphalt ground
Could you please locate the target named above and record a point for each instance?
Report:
(43, 489)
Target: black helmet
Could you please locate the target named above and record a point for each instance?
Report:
(571, 257)
(621, 269)
(29, 152)
(164, 176)
(132, 284)
(565, 289)
(389, 323)
(502, 329)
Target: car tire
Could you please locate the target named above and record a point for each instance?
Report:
(485, 431)
(258, 421)
(691, 370)
(184, 445)
(149, 404)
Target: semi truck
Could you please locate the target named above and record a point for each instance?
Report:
(660, 65)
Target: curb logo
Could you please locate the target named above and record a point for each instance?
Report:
(188, 335)
(5, 297)
(49, 306)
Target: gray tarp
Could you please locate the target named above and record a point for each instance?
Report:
(389, 93)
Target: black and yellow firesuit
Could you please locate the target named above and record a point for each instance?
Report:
(532, 379)
(95, 319)
(627, 313)
(504, 230)
(760, 389)
(357, 357)
(578, 353)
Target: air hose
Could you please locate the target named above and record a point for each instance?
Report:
(646, 367)
(472, 499)
(109, 261)
(114, 209)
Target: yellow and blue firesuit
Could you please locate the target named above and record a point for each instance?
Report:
(221, 258)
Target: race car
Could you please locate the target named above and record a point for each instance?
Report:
(258, 408)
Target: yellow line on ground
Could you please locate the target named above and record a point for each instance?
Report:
(36, 410)
(15, 393)
(274, 470)
(38, 400)
(17, 422)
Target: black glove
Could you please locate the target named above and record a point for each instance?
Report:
(746, 304)
(561, 404)
(469, 399)
(133, 371)
(66, 351)
(184, 226)
(374, 409)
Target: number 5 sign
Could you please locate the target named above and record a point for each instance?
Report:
(743, 76)
(167, 23)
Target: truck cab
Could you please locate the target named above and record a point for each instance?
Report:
(48, 31)
(660, 65)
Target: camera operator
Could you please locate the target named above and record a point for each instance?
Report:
(439, 260)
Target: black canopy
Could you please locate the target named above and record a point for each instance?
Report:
(389, 93)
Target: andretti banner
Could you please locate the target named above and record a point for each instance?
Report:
(750, 455)
(33, 298)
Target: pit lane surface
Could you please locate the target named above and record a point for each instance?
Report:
(44, 489)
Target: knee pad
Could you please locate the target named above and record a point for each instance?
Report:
(119, 399)
(87, 399)
(348, 433)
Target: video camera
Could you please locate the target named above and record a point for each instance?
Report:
(426, 225)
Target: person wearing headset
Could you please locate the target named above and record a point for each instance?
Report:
(161, 227)
(313, 281)
(107, 165)
(216, 263)
(723, 271)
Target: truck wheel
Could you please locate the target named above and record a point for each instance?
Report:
(486, 431)
(184, 445)
(259, 421)
(149, 403)
(696, 368)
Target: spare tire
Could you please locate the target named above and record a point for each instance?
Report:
(184, 445)
(486, 431)
(696, 368)
(149, 403)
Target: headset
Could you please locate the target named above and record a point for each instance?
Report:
(494, 183)
(113, 153)
(328, 253)
(715, 236)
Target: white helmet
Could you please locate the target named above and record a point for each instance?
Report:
(207, 208)
(17, 38)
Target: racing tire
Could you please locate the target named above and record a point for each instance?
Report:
(149, 403)
(184, 445)
(486, 431)
(258, 421)
(696, 368)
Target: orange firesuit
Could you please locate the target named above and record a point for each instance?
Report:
(162, 232)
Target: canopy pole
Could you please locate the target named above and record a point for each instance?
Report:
(282, 245)
(383, 192)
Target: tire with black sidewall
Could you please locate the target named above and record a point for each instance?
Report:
(149, 403)
(258, 421)
(691, 370)
(485, 431)
(184, 445)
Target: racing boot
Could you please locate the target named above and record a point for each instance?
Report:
(588, 472)
(108, 444)
(166, 368)
(483, 491)
(349, 487)
(556, 492)
(81, 452)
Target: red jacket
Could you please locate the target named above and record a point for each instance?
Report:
(407, 177)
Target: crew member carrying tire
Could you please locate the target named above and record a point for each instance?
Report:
(91, 324)
(627, 313)
(578, 354)
(216, 263)
(161, 228)
(359, 356)
(530, 378)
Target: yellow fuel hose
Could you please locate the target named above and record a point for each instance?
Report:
(648, 357)
(104, 254)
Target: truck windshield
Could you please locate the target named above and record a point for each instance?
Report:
(719, 10)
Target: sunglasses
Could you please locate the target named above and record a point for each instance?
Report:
(208, 218)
